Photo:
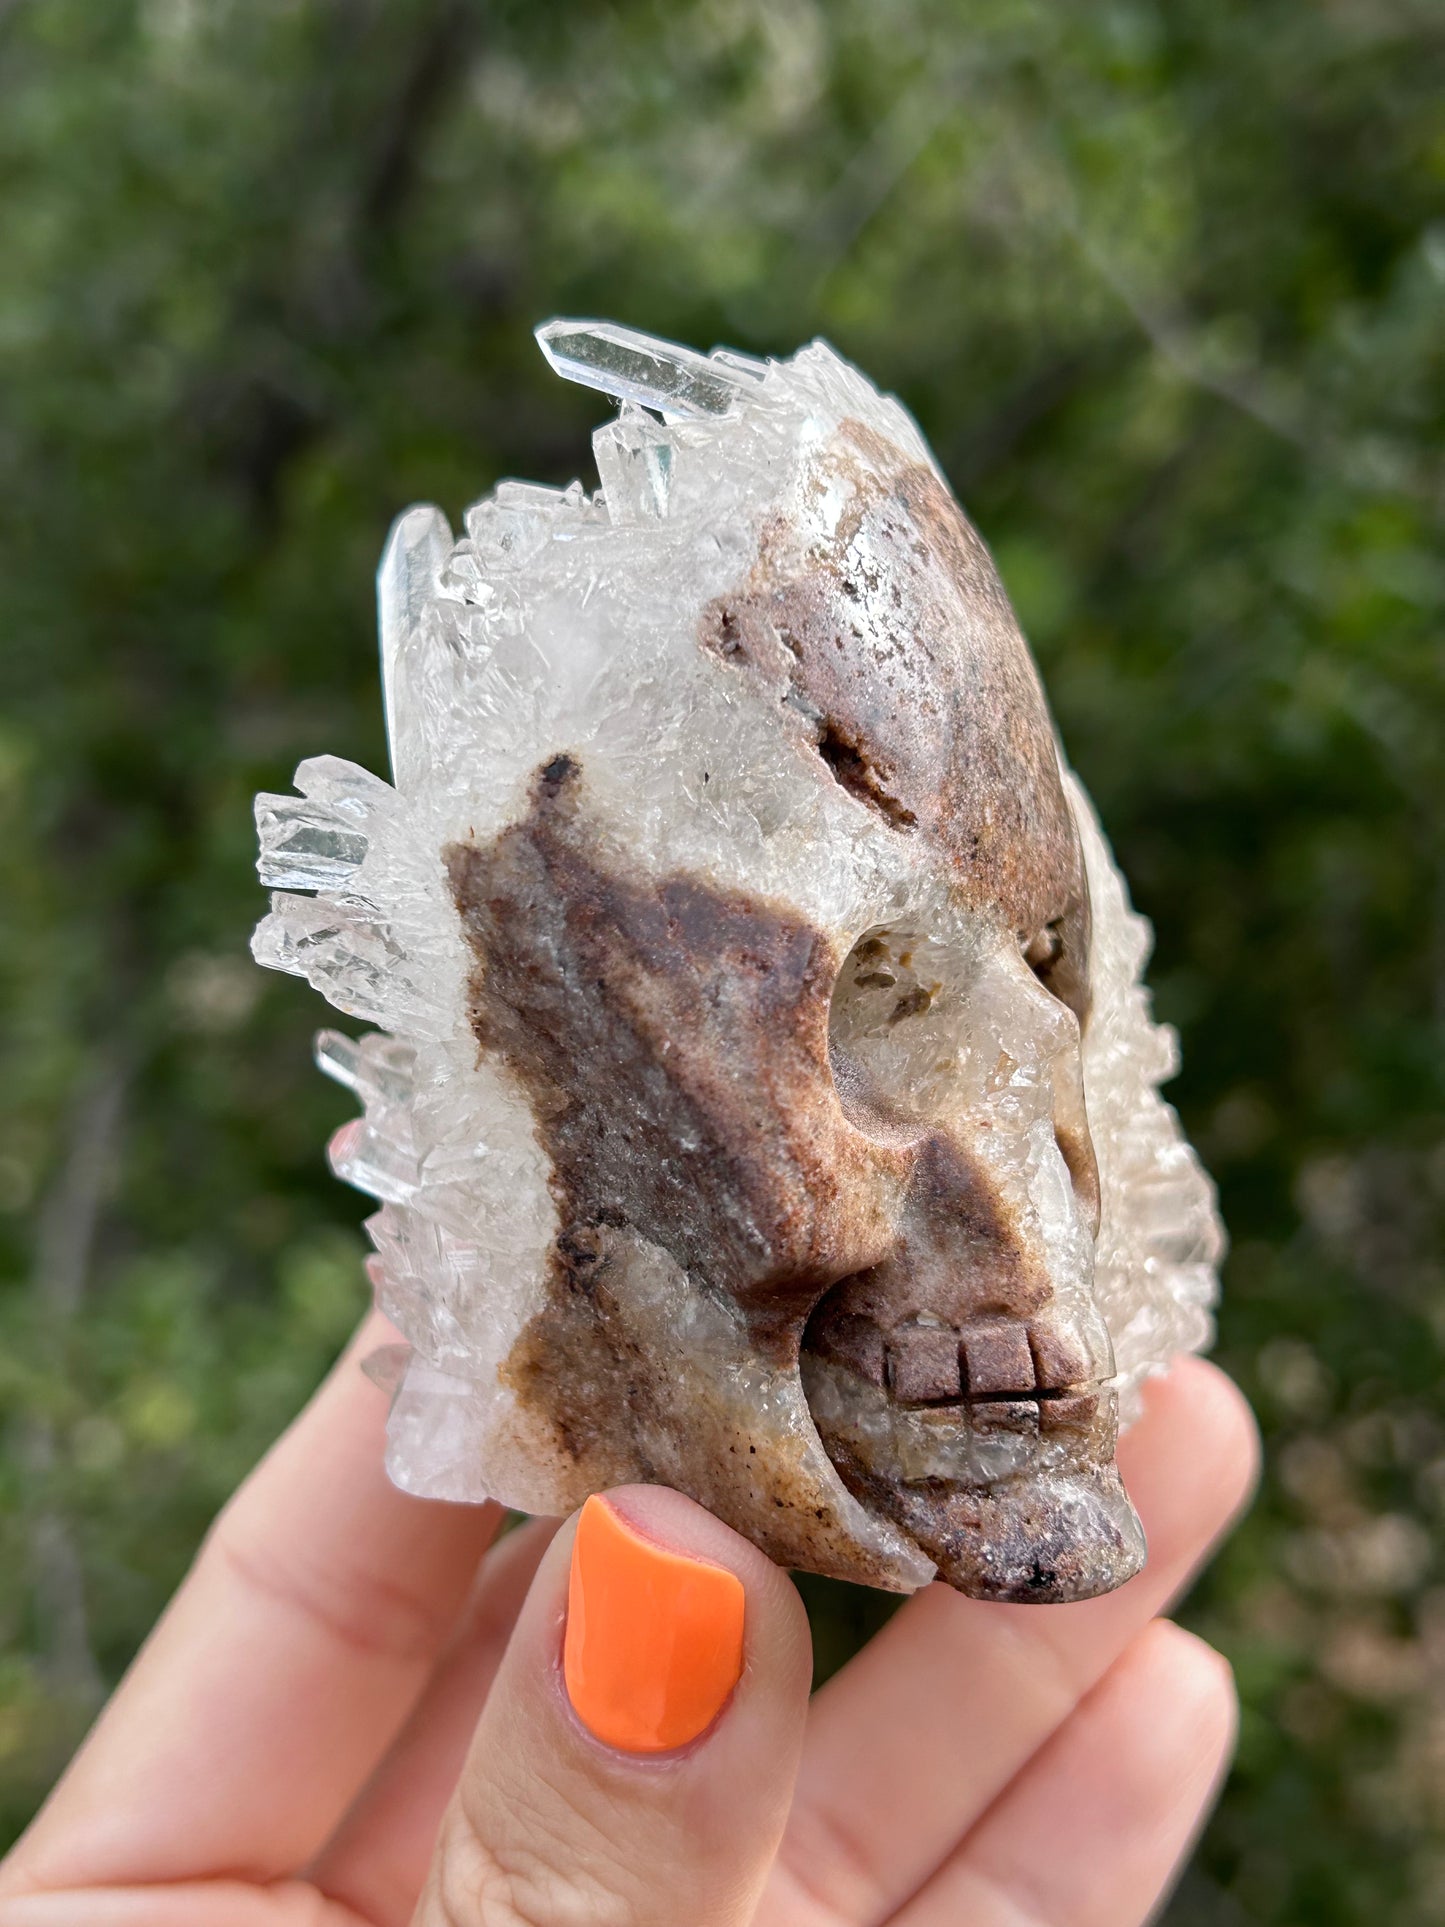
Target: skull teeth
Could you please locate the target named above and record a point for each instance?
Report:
(998, 1363)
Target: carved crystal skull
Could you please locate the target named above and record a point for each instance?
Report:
(766, 1099)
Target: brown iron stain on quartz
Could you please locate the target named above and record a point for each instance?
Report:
(673, 1041)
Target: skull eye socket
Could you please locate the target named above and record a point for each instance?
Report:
(1053, 955)
(1042, 951)
(888, 978)
(889, 1026)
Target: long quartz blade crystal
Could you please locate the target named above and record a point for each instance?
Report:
(762, 1097)
(676, 381)
(406, 583)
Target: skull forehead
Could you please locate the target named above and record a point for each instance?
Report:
(802, 679)
(884, 635)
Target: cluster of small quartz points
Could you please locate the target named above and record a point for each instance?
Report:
(1160, 1238)
(563, 620)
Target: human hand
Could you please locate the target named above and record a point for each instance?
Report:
(348, 1717)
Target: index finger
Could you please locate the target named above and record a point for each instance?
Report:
(279, 1673)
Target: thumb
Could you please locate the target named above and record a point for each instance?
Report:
(635, 1760)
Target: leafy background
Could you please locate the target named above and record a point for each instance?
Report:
(1164, 281)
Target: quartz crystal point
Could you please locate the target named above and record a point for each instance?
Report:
(762, 1096)
(676, 381)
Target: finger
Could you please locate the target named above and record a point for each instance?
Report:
(279, 1673)
(636, 1756)
(377, 1859)
(190, 1903)
(1094, 1828)
(915, 1737)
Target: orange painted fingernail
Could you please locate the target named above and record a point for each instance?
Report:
(654, 1639)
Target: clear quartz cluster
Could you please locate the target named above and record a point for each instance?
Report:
(635, 833)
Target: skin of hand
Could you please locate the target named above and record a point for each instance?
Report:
(355, 1714)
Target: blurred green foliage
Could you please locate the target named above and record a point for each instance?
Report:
(1164, 281)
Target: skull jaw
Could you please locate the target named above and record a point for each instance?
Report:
(1004, 1512)
(633, 1373)
(637, 1374)
(1040, 1540)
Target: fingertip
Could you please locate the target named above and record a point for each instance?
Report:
(1209, 1397)
(653, 1696)
(1197, 1426)
(771, 1617)
(1196, 1682)
(1096, 1824)
(654, 1643)
(681, 1525)
(660, 1630)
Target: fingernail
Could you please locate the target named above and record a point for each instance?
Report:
(654, 1639)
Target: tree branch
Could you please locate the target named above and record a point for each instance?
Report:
(64, 1245)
